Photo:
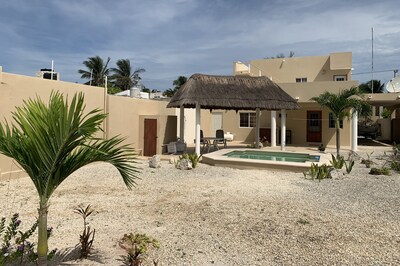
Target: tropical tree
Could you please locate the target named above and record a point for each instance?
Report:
(52, 141)
(281, 55)
(367, 86)
(178, 83)
(96, 71)
(123, 76)
(340, 105)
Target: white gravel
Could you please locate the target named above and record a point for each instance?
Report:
(223, 216)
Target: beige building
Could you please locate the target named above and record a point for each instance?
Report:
(302, 78)
(147, 124)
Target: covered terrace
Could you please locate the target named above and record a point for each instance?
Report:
(233, 93)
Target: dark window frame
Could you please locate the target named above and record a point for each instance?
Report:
(247, 119)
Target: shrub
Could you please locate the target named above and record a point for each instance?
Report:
(136, 245)
(337, 162)
(321, 147)
(319, 172)
(395, 166)
(192, 157)
(15, 244)
(87, 237)
(368, 161)
(379, 171)
(349, 166)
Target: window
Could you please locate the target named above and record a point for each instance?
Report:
(301, 80)
(247, 119)
(332, 121)
(340, 78)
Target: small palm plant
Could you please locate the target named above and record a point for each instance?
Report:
(52, 141)
(340, 105)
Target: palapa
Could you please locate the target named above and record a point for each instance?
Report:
(232, 93)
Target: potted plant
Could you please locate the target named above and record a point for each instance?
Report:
(321, 148)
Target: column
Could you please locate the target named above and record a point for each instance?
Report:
(283, 129)
(197, 134)
(182, 124)
(257, 144)
(354, 131)
(273, 128)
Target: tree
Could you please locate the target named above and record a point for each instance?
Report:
(340, 105)
(52, 141)
(123, 77)
(178, 83)
(367, 86)
(96, 71)
(282, 55)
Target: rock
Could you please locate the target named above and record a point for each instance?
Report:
(172, 161)
(184, 164)
(155, 161)
(337, 174)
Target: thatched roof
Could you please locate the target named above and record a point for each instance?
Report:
(232, 93)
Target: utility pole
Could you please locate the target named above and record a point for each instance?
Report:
(372, 65)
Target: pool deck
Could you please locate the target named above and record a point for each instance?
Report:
(217, 158)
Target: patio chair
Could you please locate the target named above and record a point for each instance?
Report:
(202, 141)
(220, 137)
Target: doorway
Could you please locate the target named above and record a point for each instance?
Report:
(150, 137)
(314, 126)
(216, 121)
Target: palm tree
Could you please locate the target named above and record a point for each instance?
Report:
(367, 86)
(340, 105)
(96, 71)
(123, 76)
(52, 141)
(178, 83)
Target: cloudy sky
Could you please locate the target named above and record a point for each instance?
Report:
(181, 37)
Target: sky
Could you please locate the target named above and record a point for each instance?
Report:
(170, 38)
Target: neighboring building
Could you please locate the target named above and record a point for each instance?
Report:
(48, 73)
(333, 67)
(137, 93)
(147, 124)
(134, 93)
(302, 78)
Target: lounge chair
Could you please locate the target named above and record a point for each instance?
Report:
(220, 137)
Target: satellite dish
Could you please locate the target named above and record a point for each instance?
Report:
(393, 85)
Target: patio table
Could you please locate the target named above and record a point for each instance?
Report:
(208, 141)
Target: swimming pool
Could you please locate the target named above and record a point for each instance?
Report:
(273, 156)
(297, 161)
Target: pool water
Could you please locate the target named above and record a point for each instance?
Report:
(274, 156)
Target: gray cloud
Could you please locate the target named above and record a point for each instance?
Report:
(181, 37)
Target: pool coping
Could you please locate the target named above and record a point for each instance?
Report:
(217, 158)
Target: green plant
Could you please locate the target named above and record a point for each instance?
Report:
(137, 245)
(319, 171)
(192, 157)
(349, 166)
(340, 105)
(52, 141)
(395, 166)
(379, 171)
(303, 221)
(337, 162)
(321, 147)
(15, 244)
(387, 113)
(368, 161)
(87, 237)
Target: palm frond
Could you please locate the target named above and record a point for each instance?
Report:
(51, 142)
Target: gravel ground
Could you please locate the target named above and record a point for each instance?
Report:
(223, 216)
